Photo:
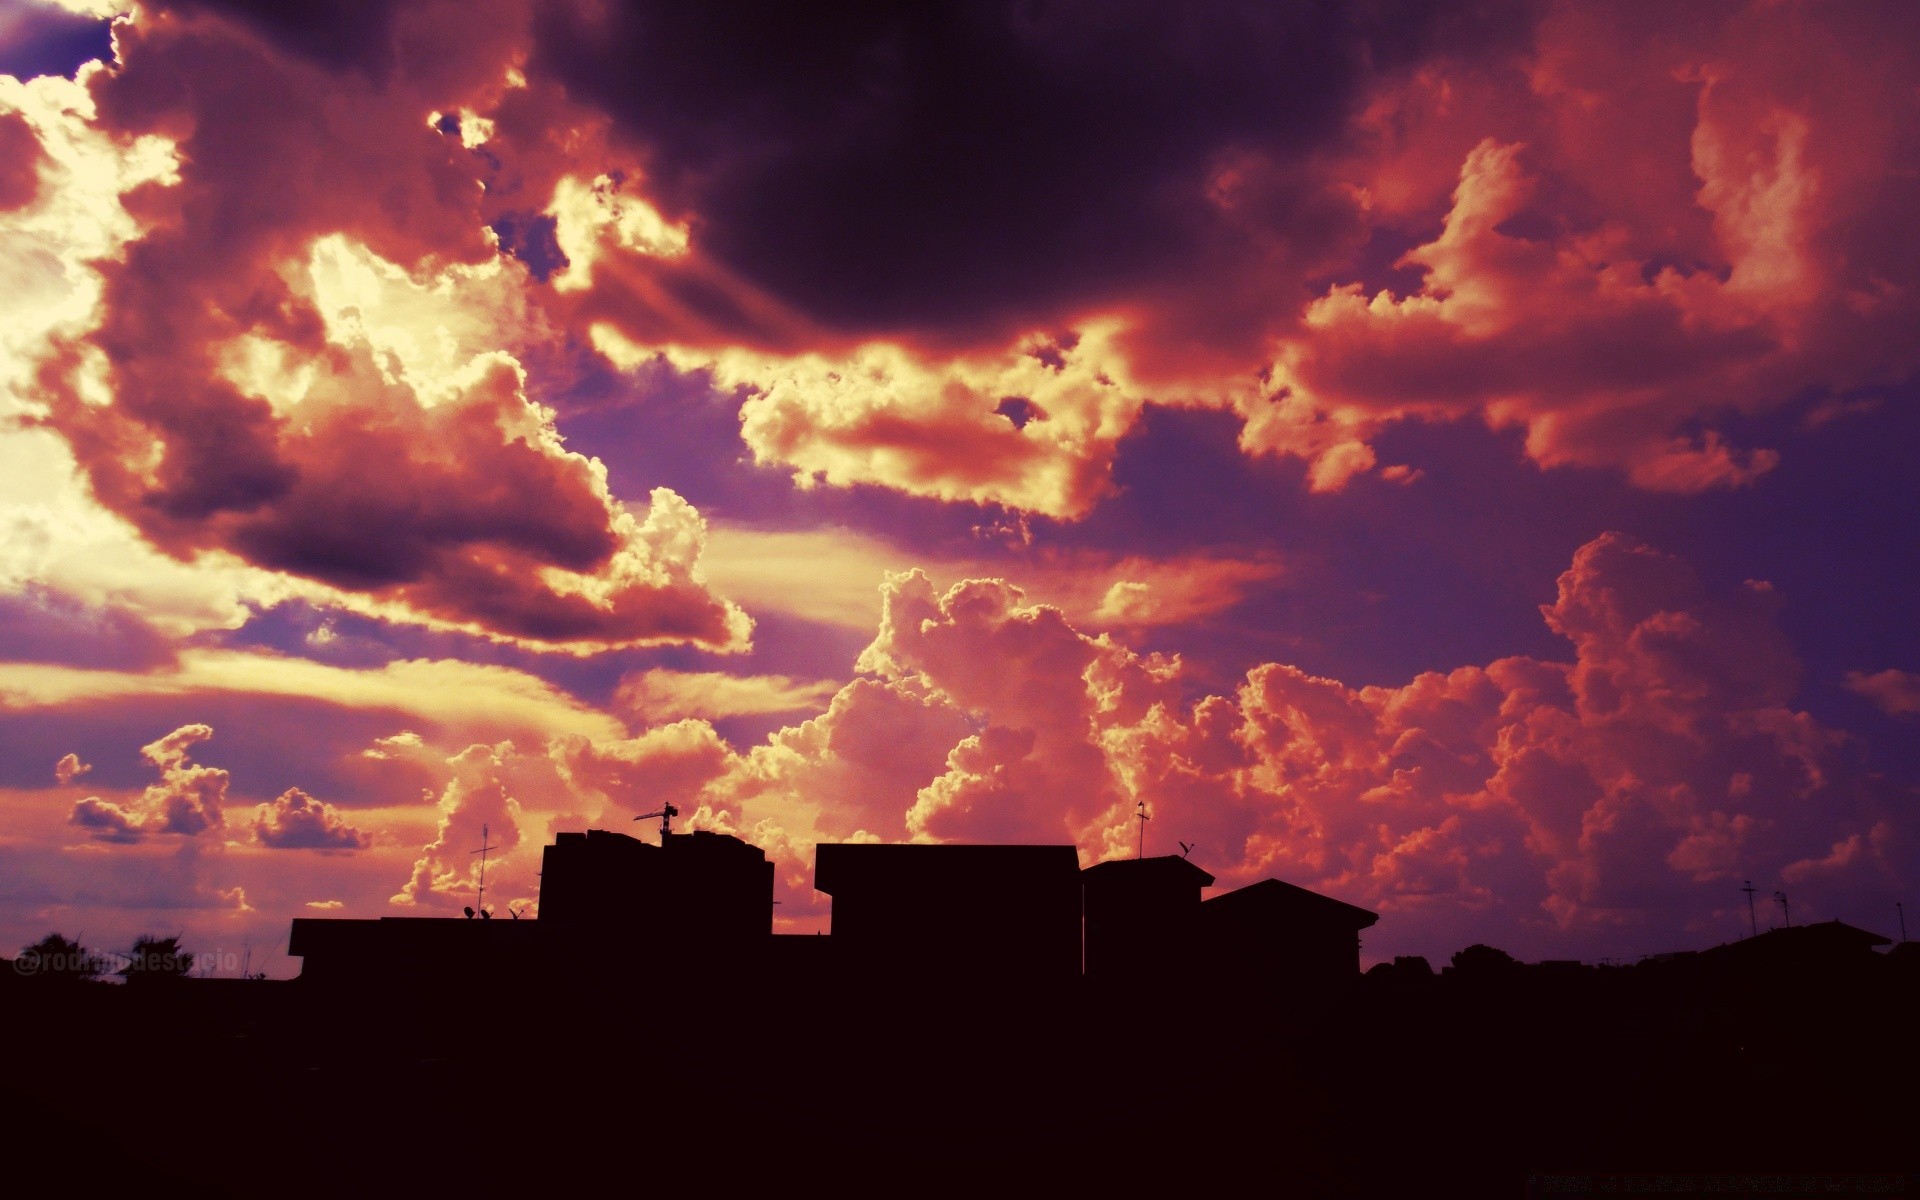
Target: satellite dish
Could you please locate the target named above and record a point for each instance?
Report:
(469, 912)
(1186, 848)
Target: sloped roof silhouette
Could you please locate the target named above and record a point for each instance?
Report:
(1794, 941)
(1166, 870)
(1277, 898)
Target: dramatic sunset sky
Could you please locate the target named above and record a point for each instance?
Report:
(1454, 457)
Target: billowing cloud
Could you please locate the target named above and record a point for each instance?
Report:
(1610, 797)
(326, 387)
(1621, 278)
(476, 809)
(296, 821)
(188, 799)
(1034, 430)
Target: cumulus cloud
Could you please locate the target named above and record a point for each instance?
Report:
(476, 807)
(187, 800)
(1619, 279)
(109, 822)
(70, 768)
(1612, 796)
(328, 387)
(296, 821)
(1035, 429)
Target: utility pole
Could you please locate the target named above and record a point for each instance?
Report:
(480, 901)
(1141, 851)
(1753, 921)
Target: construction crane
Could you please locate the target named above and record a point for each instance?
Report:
(666, 814)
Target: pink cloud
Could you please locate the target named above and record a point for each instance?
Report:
(296, 821)
(1605, 799)
(1896, 692)
(70, 768)
(254, 416)
(477, 807)
(1650, 228)
(187, 800)
(20, 159)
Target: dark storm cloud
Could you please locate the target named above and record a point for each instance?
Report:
(885, 166)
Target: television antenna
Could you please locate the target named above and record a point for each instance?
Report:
(1141, 851)
(1752, 921)
(666, 814)
(480, 899)
(1786, 913)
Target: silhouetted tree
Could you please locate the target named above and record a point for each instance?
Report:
(1481, 960)
(59, 959)
(154, 959)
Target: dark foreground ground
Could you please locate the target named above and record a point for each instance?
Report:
(1511, 1085)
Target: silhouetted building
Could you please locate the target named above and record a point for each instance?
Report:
(1288, 942)
(704, 886)
(958, 914)
(1142, 918)
(1822, 950)
(419, 952)
(610, 906)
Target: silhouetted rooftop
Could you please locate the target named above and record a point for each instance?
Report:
(1284, 899)
(1163, 870)
(920, 867)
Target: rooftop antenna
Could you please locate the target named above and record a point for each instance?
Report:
(666, 814)
(1144, 818)
(480, 900)
(1901, 909)
(1752, 920)
(1186, 848)
(1786, 913)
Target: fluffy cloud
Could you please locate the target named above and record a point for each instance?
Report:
(187, 800)
(1034, 430)
(296, 821)
(480, 806)
(70, 768)
(327, 385)
(1619, 278)
(1610, 798)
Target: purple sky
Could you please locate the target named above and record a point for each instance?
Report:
(1450, 457)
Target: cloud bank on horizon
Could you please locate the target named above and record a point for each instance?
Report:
(521, 414)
